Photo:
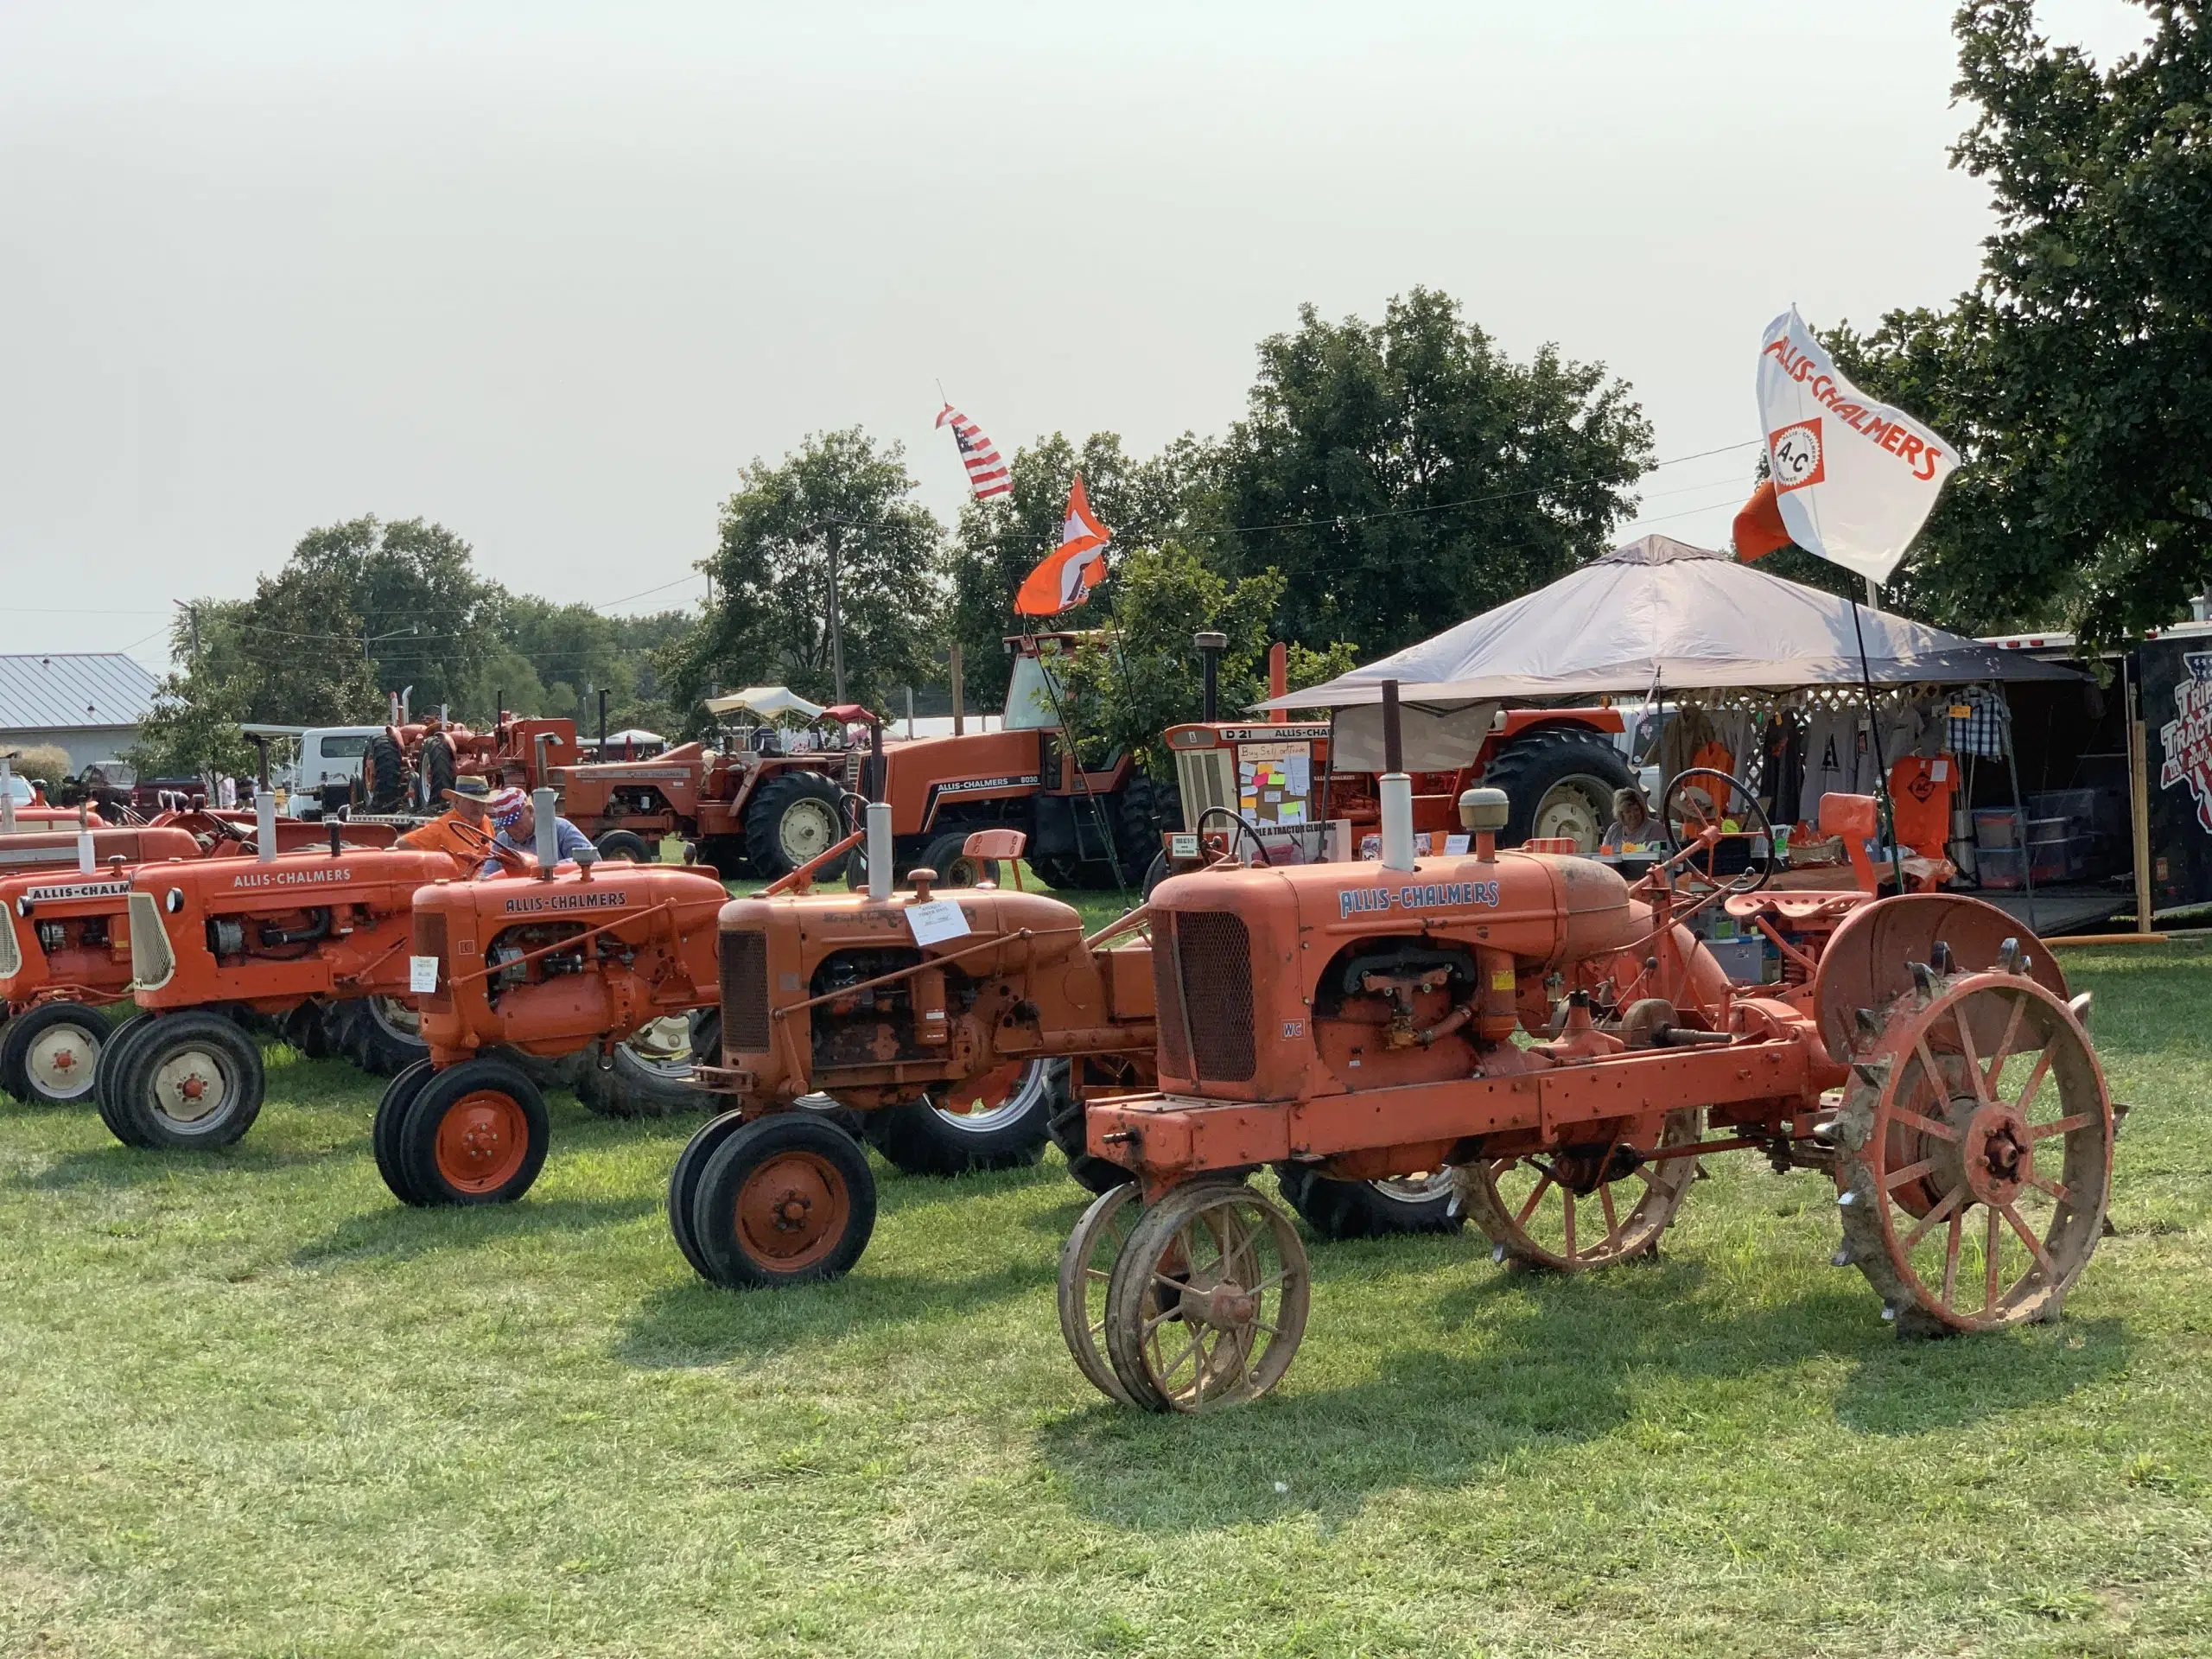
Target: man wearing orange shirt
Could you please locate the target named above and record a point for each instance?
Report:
(450, 832)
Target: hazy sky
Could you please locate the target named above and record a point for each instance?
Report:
(551, 274)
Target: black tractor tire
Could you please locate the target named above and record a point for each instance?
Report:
(152, 1102)
(1062, 872)
(381, 1035)
(308, 1029)
(548, 1071)
(1066, 1127)
(684, 1185)
(1156, 873)
(920, 1138)
(109, 1066)
(645, 1077)
(1347, 1210)
(822, 1193)
(434, 764)
(1531, 769)
(624, 843)
(384, 775)
(1141, 811)
(439, 1166)
(49, 1054)
(724, 855)
(788, 814)
(384, 1130)
(948, 856)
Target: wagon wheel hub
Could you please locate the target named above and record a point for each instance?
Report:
(1224, 1306)
(2000, 1153)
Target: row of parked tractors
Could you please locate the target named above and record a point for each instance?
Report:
(1522, 1037)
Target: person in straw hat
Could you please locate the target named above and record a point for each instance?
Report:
(448, 832)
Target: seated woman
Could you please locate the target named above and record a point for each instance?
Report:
(1633, 828)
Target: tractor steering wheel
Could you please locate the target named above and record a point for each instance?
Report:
(1706, 811)
(510, 862)
(1245, 828)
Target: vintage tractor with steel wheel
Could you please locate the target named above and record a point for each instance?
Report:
(1369, 1019)
(542, 972)
(64, 937)
(289, 938)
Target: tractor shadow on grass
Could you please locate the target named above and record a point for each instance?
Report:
(696, 1324)
(1531, 1364)
(115, 1167)
(398, 1232)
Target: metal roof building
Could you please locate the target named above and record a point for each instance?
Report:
(89, 703)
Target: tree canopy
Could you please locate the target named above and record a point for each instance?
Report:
(1407, 474)
(2073, 377)
(769, 623)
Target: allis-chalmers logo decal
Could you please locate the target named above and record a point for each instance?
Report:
(609, 899)
(975, 786)
(74, 890)
(2188, 738)
(314, 876)
(1416, 895)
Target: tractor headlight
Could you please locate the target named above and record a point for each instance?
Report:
(173, 901)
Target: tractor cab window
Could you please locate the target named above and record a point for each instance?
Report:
(1029, 696)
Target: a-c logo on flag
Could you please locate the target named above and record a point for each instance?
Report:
(1798, 461)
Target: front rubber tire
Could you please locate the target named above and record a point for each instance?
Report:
(49, 1054)
(683, 1186)
(1347, 1210)
(384, 1130)
(172, 1056)
(477, 1133)
(785, 1199)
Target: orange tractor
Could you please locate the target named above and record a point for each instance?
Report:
(1559, 1040)
(315, 938)
(517, 973)
(65, 935)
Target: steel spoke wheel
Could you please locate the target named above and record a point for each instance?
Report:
(1576, 1207)
(1976, 1157)
(1086, 1271)
(1207, 1299)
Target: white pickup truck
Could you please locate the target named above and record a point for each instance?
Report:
(324, 755)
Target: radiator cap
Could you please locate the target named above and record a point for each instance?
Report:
(1484, 809)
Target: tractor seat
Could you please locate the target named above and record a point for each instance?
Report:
(1004, 845)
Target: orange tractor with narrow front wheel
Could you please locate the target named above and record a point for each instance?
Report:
(1558, 1038)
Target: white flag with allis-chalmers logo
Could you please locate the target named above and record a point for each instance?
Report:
(1854, 480)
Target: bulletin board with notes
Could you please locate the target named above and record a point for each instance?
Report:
(1276, 784)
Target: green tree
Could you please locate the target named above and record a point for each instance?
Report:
(555, 659)
(425, 619)
(291, 655)
(2072, 378)
(1126, 683)
(192, 731)
(1408, 473)
(999, 542)
(770, 621)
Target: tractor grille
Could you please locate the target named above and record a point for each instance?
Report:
(430, 941)
(1213, 960)
(1206, 778)
(745, 991)
(1168, 994)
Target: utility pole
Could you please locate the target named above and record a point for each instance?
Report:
(836, 640)
(191, 626)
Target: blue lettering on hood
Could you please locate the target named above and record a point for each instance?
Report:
(1417, 895)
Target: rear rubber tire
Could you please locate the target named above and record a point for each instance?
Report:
(779, 807)
(50, 1045)
(113, 1056)
(368, 1036)
(194, 1043)
(918, 1139)
(817, 1156)
(430, 1145)
(1531, 767)
(1346, 1210)
(630, 1085)
(725, 855)
(623, 843)
(948, 856)
(385, 776)
(433, 762)
(1100, 1175)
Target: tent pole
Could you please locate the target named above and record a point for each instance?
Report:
(2020, 817)
(1881, 761)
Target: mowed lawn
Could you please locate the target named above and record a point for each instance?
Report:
(249, 1405)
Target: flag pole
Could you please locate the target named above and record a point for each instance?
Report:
(1874, 734)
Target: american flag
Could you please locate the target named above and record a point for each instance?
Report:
(986, 472)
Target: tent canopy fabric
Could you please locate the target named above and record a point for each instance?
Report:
(765, 700)
(1660, 612)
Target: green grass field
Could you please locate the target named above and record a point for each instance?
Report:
(249, 1405)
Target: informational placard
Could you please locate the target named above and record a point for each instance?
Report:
(1455, 845)
(936, 922)
(422, 975)
(1275, 782)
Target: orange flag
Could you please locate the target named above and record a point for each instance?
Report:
(1758, 527)
(1066, 575)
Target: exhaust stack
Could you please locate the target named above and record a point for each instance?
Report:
(1397, 788)
(265, 825)
(1209, 646)
(549, 838)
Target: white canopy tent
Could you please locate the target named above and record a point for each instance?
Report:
(767, 700)
(1661, 614)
